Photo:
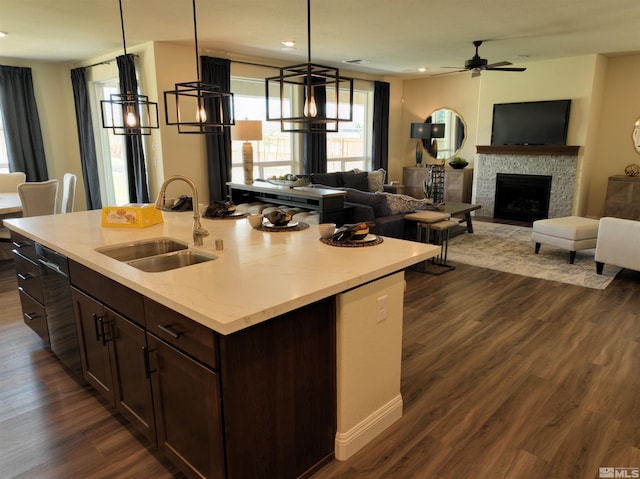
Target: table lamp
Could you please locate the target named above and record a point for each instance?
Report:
(247, 131)
(420, 131)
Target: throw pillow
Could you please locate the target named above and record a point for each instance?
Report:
(404, 203)
(376, 180)
(359, 180)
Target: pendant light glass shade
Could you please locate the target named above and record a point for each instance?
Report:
(309, 97)
(129, 113)
(198, 107)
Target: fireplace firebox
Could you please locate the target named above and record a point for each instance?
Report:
(522, 198)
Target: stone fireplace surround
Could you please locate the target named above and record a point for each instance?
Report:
(558, 162)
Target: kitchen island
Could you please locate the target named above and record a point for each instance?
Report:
(264, 299)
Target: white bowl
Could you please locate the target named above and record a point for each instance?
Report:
(255, 220)
(326, 230)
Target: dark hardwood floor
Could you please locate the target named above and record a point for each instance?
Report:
(503, 376)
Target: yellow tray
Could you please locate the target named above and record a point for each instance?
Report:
(134, 215)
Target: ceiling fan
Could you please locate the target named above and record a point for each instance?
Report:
(476, 64)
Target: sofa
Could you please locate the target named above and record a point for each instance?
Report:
(372, 201)
(616, 244)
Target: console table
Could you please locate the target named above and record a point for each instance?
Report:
(623, 197)
(329, 203)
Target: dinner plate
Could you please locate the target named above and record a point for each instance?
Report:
(291, 224)
(366, 239)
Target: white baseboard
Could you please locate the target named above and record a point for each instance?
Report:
(349, 442)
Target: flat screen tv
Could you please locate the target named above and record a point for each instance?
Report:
(531, 123)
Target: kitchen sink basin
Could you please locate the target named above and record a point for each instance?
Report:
(142, 249)
(165, 262)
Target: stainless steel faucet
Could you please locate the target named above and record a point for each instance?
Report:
(198, 231)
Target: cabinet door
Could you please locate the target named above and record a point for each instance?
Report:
(186, 397)
(93, 337)
(130, 374)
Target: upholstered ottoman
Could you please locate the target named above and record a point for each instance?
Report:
(573, 233)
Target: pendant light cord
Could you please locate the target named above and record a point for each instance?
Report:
(195, 34)
(308, 31)
(124, 42)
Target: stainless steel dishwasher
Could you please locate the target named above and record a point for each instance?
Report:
(56, 289)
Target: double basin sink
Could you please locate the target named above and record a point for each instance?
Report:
(156, 255)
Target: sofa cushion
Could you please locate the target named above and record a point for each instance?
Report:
(356, 180)
(327, 179)
(375, 179)
(376, 200)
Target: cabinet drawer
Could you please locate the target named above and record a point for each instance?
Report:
(28, 276)
(109, 292)
(185, 334)
(34, 316)
(25, 246)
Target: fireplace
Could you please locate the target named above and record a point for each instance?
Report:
(522, 197)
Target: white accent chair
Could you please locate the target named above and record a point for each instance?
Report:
(38, 198)
(68, 193)
(618, 244)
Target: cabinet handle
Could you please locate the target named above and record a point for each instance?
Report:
(17, 244)
(147, 362)
(95, 325)
(25, 277)
(31, 316)
(167, 329)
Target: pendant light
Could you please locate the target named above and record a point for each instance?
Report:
(197, 107)
(302, 109)
(129, 113)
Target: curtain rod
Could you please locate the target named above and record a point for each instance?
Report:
(278, 68)
(107, 62)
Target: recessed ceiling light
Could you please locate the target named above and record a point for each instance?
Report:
(3, 34)
(357, 61)
(289, 44)
(422, 70)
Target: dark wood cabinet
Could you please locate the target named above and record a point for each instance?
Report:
(187, 405)
(25, 260)
(623, 197)
(114, 357)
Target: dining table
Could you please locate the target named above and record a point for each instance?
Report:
(10, 204)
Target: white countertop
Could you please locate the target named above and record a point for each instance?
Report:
(258, 275)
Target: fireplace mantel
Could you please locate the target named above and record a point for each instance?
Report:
(527, 150)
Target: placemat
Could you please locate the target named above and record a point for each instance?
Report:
(279, 229)
(228, 217)
(351, 244)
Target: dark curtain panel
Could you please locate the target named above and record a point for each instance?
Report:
(136, 168)
(380, 149)
(86, 139)
(22, 123)
(217, 71)
(315, 144)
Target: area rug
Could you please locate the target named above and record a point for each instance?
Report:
(509, 248)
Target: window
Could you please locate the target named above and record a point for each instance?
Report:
(275, 154)
(110, 150)
(4, 156)
(350, 147)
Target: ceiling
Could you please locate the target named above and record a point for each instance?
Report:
(396, 37)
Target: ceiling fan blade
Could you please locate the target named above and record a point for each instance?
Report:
(447, 73)
(515, 69)
(498, 64)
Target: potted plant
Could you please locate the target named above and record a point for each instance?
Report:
(458, 163)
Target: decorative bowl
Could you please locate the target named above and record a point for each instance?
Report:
(458, 164)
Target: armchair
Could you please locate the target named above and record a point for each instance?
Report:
(618, 244)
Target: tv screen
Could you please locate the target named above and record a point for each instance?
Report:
(531, 123)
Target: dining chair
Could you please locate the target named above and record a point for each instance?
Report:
(9, 184)
(68, 193)
(9, 181)
(38, 197)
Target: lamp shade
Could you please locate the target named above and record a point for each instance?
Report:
(247, 130)
(420, 130)
(437, 130)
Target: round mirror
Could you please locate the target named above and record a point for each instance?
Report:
(448, 132)
(636, 136)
